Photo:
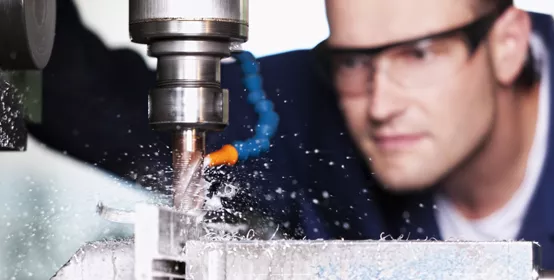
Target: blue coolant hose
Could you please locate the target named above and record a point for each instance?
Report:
(268, 120)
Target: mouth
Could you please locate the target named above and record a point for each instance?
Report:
(397, 141)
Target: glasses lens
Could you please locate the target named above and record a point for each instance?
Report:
(352, 71)
(416, 65)
(426, 62)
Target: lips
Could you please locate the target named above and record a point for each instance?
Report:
(397, 141)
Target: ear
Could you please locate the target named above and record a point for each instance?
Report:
(509, 43)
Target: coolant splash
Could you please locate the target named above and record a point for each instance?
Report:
(13, 133)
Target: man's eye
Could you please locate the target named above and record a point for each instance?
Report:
(349, 61)
(418, 53)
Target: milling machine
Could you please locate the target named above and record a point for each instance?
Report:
(189, 38)
(27, 31)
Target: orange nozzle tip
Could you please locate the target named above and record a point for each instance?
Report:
(226, 155)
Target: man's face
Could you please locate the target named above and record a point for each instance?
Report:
(416, 111)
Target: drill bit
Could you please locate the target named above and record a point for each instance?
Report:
(188, 185)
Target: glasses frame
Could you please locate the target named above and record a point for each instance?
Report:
(474, 34)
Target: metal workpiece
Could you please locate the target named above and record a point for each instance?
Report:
(150, 20)
(27, 29)
(383, 260)
(163, 249)
(100, 260)
(172, 245)
(160, 239)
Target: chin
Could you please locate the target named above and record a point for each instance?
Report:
(405, 171)
(400, 182)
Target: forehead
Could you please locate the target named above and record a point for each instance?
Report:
(366, 23)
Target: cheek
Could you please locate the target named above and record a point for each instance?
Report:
(355, 110)
(463, 113)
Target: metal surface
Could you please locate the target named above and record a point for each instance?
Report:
(305, 260)
(218, 10)
(384, 260)
(189, 38)
(189, 192)
(188, 92)
(178, 108)
(171, 244)
(160, 238)
(100, 260)
(149, 20)
(27, 29)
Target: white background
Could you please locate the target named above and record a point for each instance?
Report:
(275, 26)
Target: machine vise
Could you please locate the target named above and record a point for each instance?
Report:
(165, 247)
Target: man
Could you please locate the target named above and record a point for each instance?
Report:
(452, 111)
(445, 101)
(450, 124)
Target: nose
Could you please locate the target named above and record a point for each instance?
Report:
(385, 102)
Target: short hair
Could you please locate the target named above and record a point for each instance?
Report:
(528, 75)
